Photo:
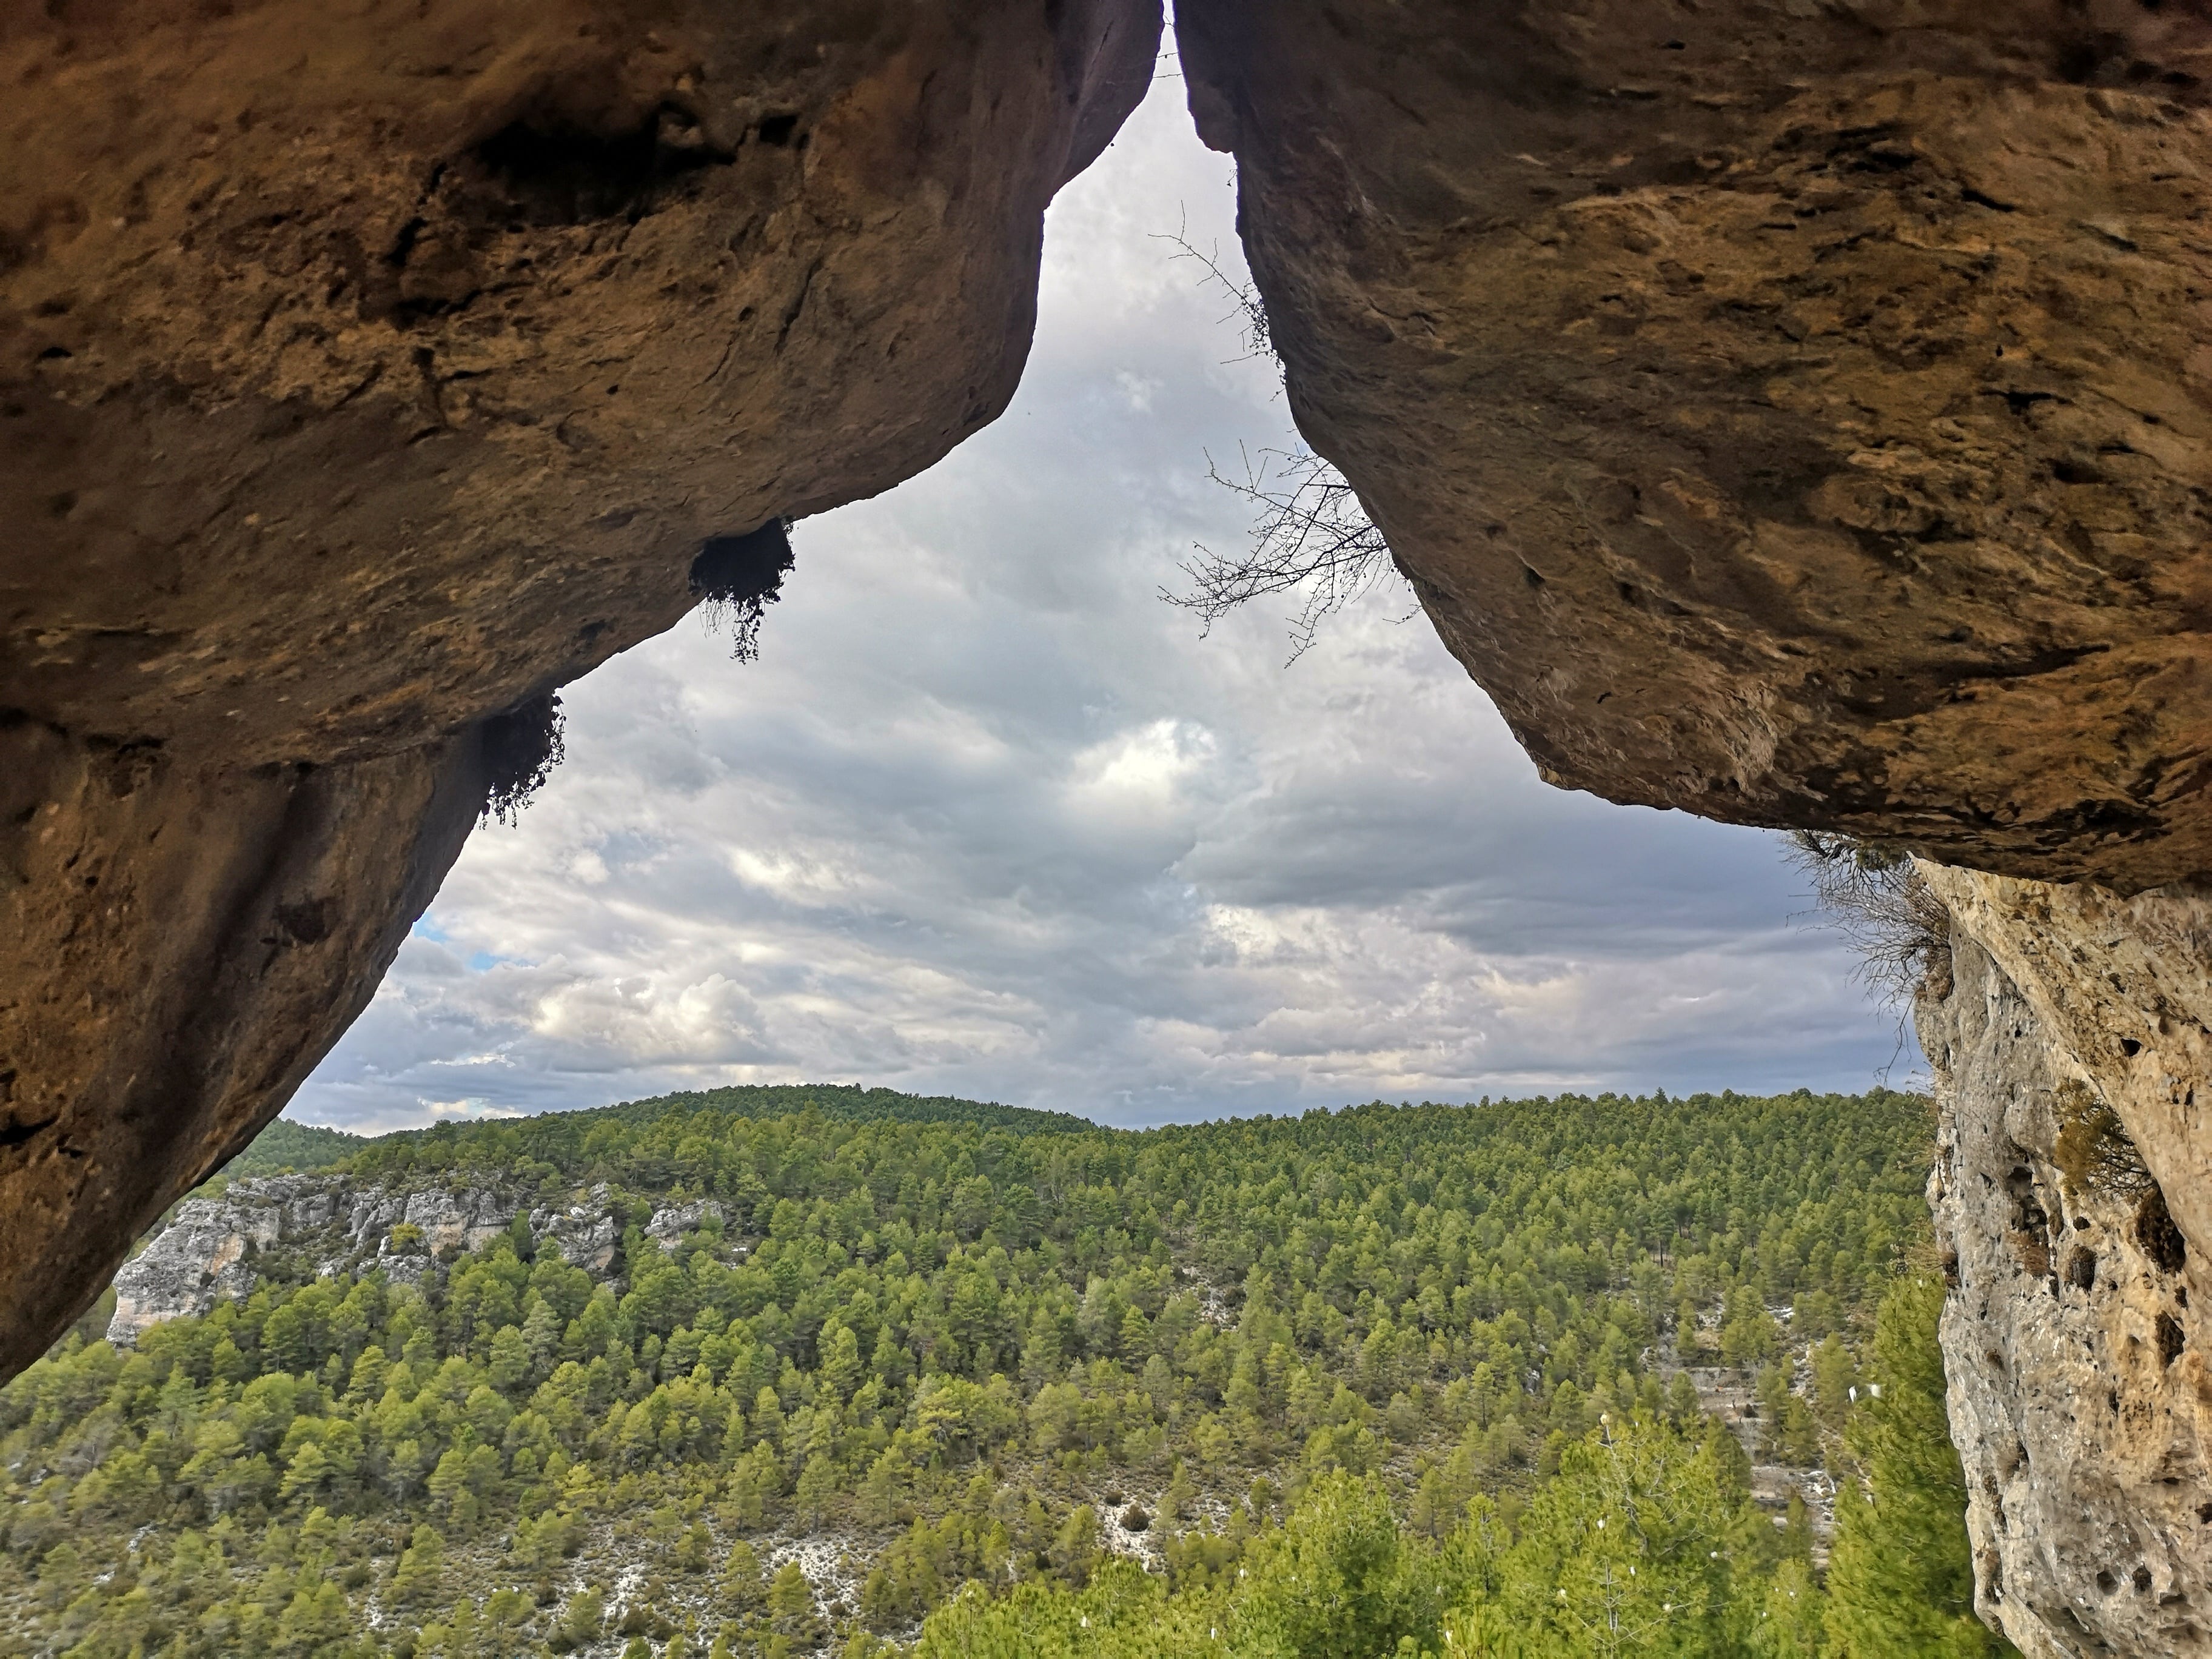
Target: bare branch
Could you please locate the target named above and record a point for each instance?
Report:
(1249, 313)
(1311, 534)
(1874, 895)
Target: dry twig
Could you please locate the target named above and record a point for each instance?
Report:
(1310, 534)
(1876, 899)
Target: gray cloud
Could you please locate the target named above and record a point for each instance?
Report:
(988, 818)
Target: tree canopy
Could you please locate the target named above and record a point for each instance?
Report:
(1426, 1358)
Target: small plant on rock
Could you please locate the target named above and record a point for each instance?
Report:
(2093, 1153)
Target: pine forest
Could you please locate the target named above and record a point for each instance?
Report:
(788, 1370)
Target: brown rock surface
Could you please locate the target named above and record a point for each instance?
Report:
(1793, 411)
(369, 367)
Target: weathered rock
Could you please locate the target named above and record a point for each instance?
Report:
(584, 1233)
(366, 371)
(2076, 1345)
(1791, 412)
(207, 1252)
(197, 1259)
(179, 943)
(672, 1222)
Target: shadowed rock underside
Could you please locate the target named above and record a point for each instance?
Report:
(1792, 412)
(368, 370)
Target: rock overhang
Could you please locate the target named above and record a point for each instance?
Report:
(1789, 413)
(369, 370)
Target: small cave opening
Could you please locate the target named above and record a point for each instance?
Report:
(555, 173)
(521, 747)
(2082, 1269)
(2170, 1340)
(738, 577)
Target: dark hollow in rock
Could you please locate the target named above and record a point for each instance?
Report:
(563, 175)
(2155, 1232)
(2082, 1269)
(520, 749)
(1135, 1518)
(738, 577)
(305, 922)
(2170, 1338)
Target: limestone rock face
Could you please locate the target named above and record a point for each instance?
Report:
(1793, 412)
(197, 1259)
(2075, 1344)
(585, 1234)
(671, 1224)
(208, 1252)
(369, 368)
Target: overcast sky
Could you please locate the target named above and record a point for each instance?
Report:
(988, 818)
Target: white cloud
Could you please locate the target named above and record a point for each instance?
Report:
(988, 818)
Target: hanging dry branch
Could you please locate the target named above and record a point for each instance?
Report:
(1311, 534)
(1875, 896)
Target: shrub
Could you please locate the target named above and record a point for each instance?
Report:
(520, 749)
(738, 577)
(2093, 1153)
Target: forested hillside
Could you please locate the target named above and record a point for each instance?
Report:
(854, 1350)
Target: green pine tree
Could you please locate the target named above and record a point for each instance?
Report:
(1901, 1580)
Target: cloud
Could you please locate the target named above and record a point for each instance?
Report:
(988, 818)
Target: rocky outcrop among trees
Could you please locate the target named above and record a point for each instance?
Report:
(337, 1224)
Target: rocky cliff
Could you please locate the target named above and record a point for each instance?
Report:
(2067, 1033)
(212, 1247)
(366, 372)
